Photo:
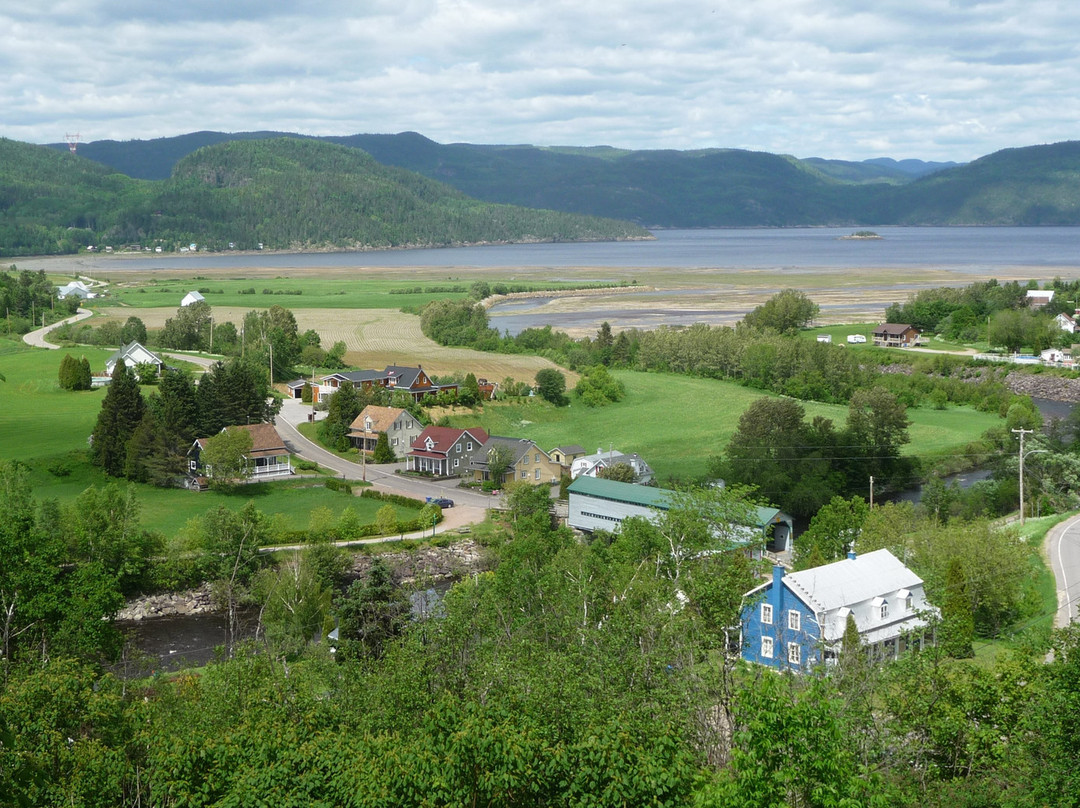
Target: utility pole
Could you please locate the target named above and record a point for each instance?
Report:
(1021, 432)
(871, 492)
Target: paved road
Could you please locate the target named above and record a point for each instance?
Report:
(383, 477)
(1063, 551)
(37, 338)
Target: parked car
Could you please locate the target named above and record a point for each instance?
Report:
(442, 502)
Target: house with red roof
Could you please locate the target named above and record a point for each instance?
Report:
(443, 451)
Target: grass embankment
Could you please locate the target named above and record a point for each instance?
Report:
(1041, 594)
(677, 422)
(46, 428)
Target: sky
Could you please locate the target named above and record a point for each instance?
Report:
(844, 79)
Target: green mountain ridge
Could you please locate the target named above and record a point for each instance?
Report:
(701, 187)
(282, 193)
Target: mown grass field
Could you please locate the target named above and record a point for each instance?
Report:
(676, 423)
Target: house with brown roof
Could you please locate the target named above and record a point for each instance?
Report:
(400, 426)
(896, 335)
(527, 462)
(443, 451)
(414, 381)
(566, 455)
(269, 457)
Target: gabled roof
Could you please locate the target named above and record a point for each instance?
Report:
(382, 418)
(443, 439)
(191, 297)
(572, 449)
(265, 440)
(893, 328)
(851, 580)
(136, 352)
(518, 448)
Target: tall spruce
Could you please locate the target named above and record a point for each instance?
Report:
(121, 411)
(233, 394)
(957, 620)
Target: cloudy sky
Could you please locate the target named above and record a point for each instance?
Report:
(850, 79)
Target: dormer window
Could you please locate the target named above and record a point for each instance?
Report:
(904, 596)
(880, 607)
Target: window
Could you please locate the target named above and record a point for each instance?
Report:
(794, 653)
(538, 474)
(525, 459)
(469, 446)
(909, 603)
(884, 610)
(459, 448)
(537, 458)
(456, 461)
(766, 614)
(766, 647)
(524, 474)
(393, 441)
(794, 620)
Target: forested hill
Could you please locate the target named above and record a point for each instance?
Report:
(702, 188)
(279, 192)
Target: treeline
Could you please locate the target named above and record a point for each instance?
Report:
(999, 313)
(763, 359)
(280, 193)
(651, 705)
(25, 296)
(147, 439)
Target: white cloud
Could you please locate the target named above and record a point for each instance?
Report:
(904, 78)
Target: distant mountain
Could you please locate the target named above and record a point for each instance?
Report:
(280, 192)
(706, 187)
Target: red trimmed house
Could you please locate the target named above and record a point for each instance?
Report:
(443, 451)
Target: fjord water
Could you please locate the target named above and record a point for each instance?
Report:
(976, 249)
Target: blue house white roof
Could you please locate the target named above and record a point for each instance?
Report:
(797, 620)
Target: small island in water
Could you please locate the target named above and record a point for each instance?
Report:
(861, 235)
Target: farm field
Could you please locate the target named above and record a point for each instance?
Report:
(376, 338)
(676, 422)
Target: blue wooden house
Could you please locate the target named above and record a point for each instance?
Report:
(796, 621)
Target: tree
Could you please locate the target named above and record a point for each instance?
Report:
(598, 387)
(342, 407)
(70, 374)
(233, 393)
(620, 472)
(371, 613)
(134, 330)
(786, 312)
(877, 426)
(551, 385)
(225, 457)
(833, 531)
(957, 622)
(383, 453)
(499, 458)
(121, 411)
(386, 521)
(296, 606)
(189, 330)
(469, 393)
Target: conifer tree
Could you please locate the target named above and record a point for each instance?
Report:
(383, 453)
(86, 377)
(68, 375)
(121, 411)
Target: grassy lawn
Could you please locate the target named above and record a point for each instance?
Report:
(37, 417)
(676, 422)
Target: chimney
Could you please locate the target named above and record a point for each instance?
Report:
(777, 575)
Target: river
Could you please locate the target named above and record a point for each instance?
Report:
(974, 250)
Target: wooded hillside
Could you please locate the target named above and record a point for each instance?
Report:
(281, 192)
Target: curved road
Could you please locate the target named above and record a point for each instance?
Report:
(382, 476)
(37, 338)
(1063, 551)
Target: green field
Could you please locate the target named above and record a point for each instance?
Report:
(47, 427)
(336, 290)
(676, 422)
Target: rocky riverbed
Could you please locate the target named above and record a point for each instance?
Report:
(1045, 385)
(425, 565)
